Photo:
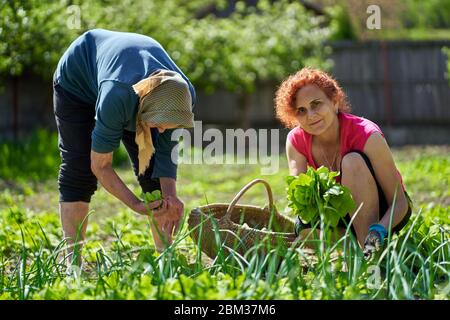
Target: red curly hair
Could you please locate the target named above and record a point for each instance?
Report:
(286, 93)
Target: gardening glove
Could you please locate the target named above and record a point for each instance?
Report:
(299, 226)
(374, 240)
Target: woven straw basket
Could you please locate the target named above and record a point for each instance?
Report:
(222, 226)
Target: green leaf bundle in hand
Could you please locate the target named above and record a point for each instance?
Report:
(149, 197)
(316, 195)
(153, 196)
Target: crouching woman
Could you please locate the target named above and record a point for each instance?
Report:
(324, 133)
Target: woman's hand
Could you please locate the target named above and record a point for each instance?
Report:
(164, 217)
(176, 211)
(372, 244)
(165, 222)
(157, 207)
(374, 240)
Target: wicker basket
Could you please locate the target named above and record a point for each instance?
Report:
(222, 227)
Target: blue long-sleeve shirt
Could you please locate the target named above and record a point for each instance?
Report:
(100, 68)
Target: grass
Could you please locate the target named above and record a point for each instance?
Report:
(121, 262)
(415, 34)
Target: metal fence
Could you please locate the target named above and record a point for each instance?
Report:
(395, 84)
(391, 83)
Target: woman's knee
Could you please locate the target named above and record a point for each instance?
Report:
(353, 162)
(76, 183)
(68, 193)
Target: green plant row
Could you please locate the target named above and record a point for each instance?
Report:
(121, 263)
(37, 157)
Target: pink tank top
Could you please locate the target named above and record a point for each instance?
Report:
(354, 132)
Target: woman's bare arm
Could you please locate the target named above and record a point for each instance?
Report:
(380, 156)
(101, 166)
(296, 161)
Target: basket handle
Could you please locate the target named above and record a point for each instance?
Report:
(243, 190)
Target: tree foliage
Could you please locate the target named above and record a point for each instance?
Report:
(427, 14)
(33, 34)
(253, 45)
